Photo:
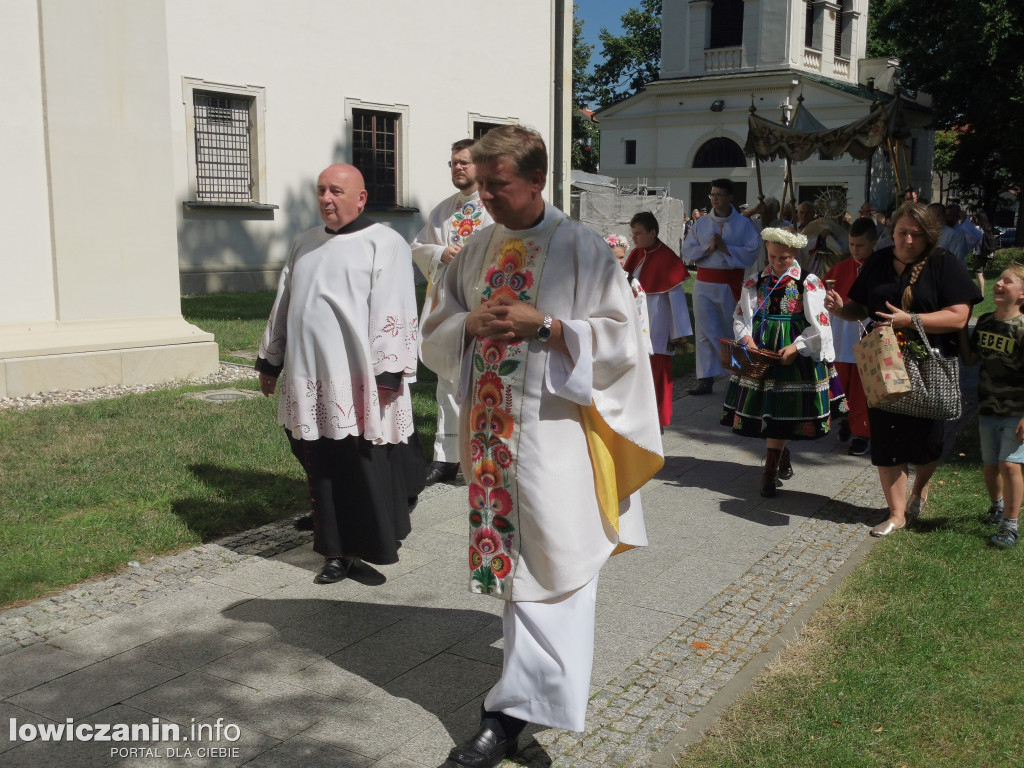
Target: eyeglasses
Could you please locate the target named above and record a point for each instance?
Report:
(718, 195)
(459, 163)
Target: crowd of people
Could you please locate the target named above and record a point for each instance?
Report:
(543, 333)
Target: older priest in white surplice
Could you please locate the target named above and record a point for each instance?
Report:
(342, 335)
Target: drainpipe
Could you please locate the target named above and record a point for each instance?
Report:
(562, 65)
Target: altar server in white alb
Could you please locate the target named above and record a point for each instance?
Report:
(343, 336)
(559, 431)
(440, 241)
(724, 245)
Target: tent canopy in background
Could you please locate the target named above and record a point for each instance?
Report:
(600, 203)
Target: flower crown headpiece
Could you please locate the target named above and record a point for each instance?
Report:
(616, 241)
(784, 236)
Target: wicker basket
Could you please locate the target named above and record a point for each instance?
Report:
(752, 363)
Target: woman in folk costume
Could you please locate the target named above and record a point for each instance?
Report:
(662, 274)
(782, 309)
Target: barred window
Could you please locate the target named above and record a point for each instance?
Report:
(375, 143)
(223, 133)
(226, 144)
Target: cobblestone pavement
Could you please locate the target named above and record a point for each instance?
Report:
(725, 572)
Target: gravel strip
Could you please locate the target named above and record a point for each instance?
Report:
(228, 372)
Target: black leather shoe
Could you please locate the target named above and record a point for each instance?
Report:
(485, 750)
(335, 569)
(703, 387)
(785, 466)
(442, 472)
(304, 523)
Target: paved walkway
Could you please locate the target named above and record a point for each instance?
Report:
(389, 669)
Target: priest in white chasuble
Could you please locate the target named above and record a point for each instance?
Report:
(342, 336)
(559, 431)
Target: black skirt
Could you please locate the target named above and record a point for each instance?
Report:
(361, 494)
(897, 439)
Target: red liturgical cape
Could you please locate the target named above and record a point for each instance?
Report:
(660, 269)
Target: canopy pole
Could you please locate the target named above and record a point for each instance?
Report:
(895, 166)
(757, 159)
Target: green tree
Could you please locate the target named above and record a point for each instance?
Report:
(942, 160)
(585, 136)
(630, 60)
(969, 57)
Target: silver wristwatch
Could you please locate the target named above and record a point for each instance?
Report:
(544, 332)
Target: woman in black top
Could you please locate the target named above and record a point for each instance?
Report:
(911, 277)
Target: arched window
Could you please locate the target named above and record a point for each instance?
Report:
(719, 153)
(726, 24)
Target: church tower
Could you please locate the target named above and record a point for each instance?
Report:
(726, 37)
(799, 62)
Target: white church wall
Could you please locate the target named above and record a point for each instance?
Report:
(26, 292)
(93, 230)
(314, 65)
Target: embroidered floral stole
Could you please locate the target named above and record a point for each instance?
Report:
(512, 269)
(466, 220)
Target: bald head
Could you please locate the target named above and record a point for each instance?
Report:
(341, 194)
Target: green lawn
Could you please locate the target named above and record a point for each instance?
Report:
(915, 661)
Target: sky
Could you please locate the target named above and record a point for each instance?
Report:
(601, 13)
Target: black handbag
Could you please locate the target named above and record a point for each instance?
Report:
(934, 384)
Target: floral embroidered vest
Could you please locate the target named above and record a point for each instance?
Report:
(512, 269)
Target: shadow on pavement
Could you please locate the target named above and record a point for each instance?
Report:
(739, 488)
(376, 661)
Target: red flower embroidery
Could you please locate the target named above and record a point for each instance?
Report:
(823, 318)
(501, 565)
(502, 455)
(391, 325)
(487, 541)
(750, 283)
(475, 558)
(505, 292)
(478, 418)
(493, 352)
(465, 227)
(500, 501)
(487, 474)
(812, 285)
(476, 450)
(794, 306)
(477, 496)
(490, 391)
(513, 256)
(495, 277)
(500, 423)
